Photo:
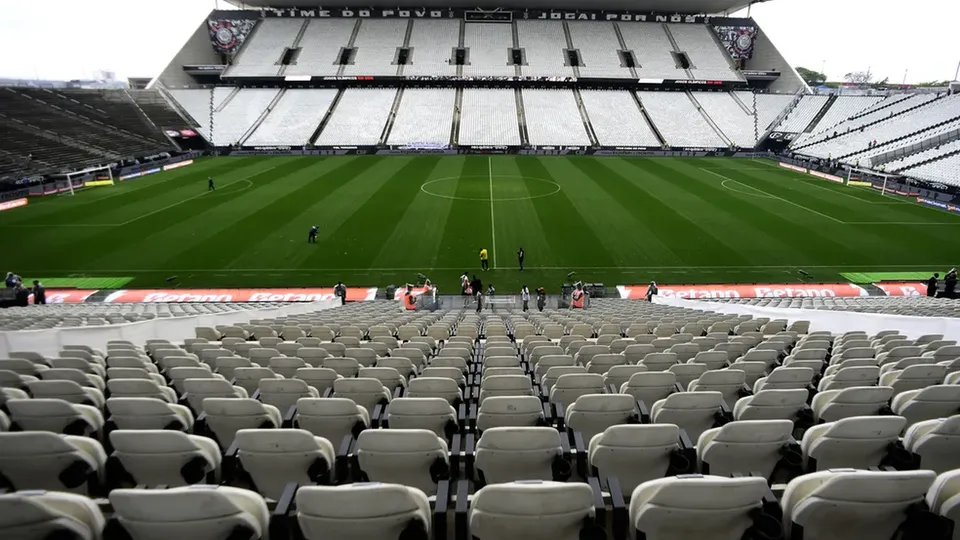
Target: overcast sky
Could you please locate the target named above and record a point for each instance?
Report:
(69, 39)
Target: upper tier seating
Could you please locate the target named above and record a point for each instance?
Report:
(263, 50)
(652, 50)
(841, 109)
(431, 45)
(320, 47)
(543, 45)
(488, 50)
(708, 60)
(376, 44)
(802, 114)
(598, 46)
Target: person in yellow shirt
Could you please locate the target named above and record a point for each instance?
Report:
(484, 264)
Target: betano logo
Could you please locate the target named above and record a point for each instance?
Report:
(16, 203)
(745, 291)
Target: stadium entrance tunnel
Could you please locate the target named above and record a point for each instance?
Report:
(486, 188)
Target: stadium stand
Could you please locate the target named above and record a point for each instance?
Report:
(734, 121)
(320, 47)
(377, 43)
(842, 108)
(679, 120)
(425, 116)
(707, 58)
(800, 117)
(293, 118)
(652, 49)
(488, 50)
(359, 117)
(489, 117)
(553, 118)
(946, 170)
(432, 45)
(598, 47)
(543, 44)
(926, 307)
(616, 118)
(262, 54)
(196, 449)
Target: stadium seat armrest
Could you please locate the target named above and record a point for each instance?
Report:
(621, 514)
(644, 412)
(378, 418)
(462, 416)
(548, 416)
(461, 508)
(456, 451)
(328, 392)
(441, 505)
(398, 392)
(230, 463)
(560, 415)
(289, 416)
(469, 455)
(612, 389)
(472, 417)
(581, 456)
(342, 464)
(677, 387)
(684, 440)
(256, 395)
(281, 522)
(599, 506)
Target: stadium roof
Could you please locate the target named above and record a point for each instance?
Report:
(660, 6)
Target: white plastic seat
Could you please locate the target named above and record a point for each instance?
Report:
(549, 379)
(942, 497)
(694, 412)
(37, 515)
(729, 382)
(346, 511)
(571, 386)
(696, 506)
(201, 389)
(249, 378)
(591, 414)
(617, 376)
(367, 393)
(275, 457)
(650, 387)
(284, 393)
(913, 377)
(832, 405)
(515, 510)
(506, 385)
(42, 460)
(785, 378)
(163, 457)
(388, 376)
(746, 446)
(637, 352)
(286, 366)
(927, 403)
(134, 373)
(331, 418)
(442, 387)
(67, 391)
(859, 442)
(411, 457)
(601, 363)
(843, 504)
(752, 371)
(634, 454)
(507, 454)
(141, 388)
(321, 379)
(55, 415)
(148, 413)
(659, 361)
(80, 364)
(713, 359)
(510, 411)
(195, 512)
(226, 416)
(771, 405)
(433, 414)
(937, 442)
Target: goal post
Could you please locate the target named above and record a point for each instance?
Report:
(98, 181)
(859, 176)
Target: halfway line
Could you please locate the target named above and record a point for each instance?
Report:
(493, 227)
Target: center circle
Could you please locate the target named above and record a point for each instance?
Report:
(549, 187)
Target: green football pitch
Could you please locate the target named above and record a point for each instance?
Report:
(383, 220)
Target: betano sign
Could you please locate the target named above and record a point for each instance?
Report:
(354, 294)
(16, 203)
(799, 290)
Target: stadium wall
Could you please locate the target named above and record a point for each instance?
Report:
(196, 51)
(833, 321)
(767, 57)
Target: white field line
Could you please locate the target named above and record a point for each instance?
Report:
(831, 218)
(493, 227)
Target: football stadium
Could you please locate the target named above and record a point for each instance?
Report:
(485, 271)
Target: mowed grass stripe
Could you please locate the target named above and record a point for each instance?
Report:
(361, 237)
(717, 211)
(416, 239)
(188, 237)
(566, 228)
(467, 228)
(517, 222)
(153, 232)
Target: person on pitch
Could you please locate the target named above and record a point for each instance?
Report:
(484, 264)
(520, 255)
(210, 186)
(312, 237)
